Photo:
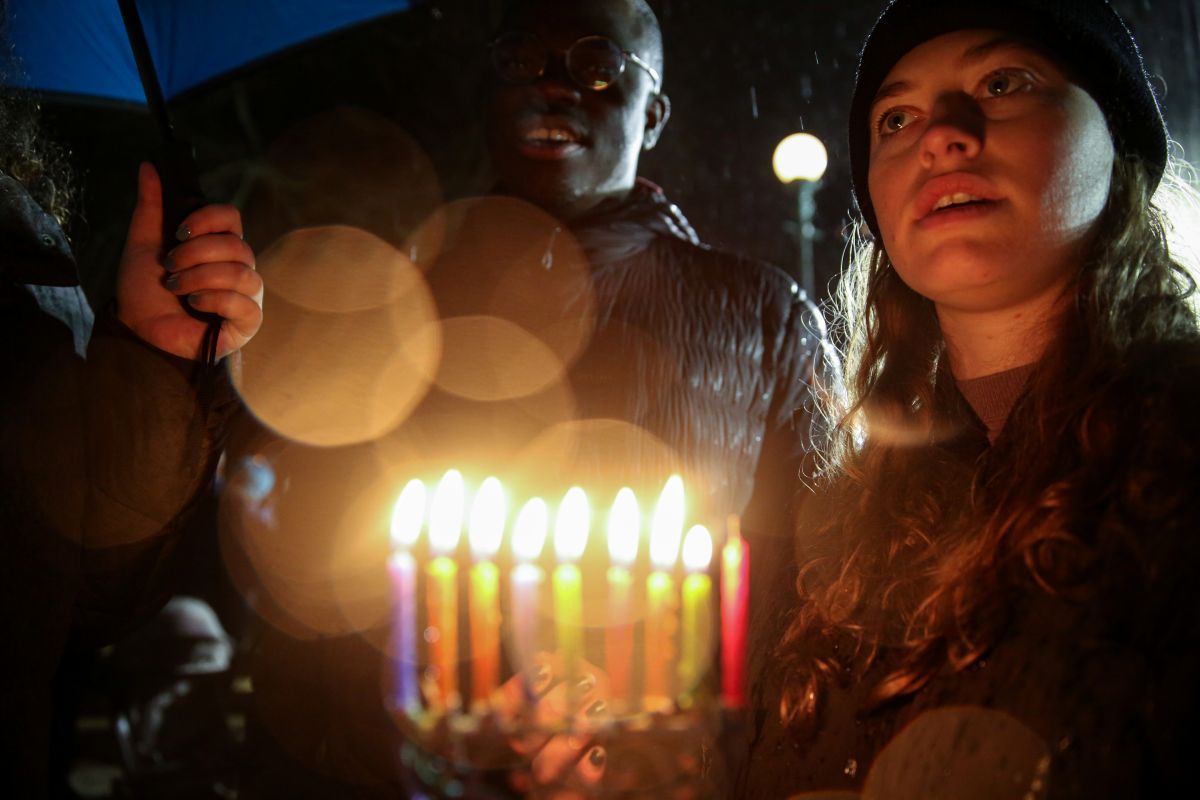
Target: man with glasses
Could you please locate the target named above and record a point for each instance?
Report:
(709, 353)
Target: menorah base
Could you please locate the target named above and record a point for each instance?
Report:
(662, 755)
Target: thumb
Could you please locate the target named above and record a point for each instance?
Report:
(145, 227)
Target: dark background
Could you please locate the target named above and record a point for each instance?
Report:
(740, 76)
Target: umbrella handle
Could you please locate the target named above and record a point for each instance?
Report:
(181, 195)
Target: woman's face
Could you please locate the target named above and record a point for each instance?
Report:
(989, 168)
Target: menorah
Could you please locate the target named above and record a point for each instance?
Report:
(525, 588)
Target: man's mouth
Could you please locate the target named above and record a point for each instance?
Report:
(546, 137)
(550, 138)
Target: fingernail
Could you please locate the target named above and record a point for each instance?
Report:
(596, 708)
(586, 683)
(169, 261)
(193, 298)
(171, 282)
(539, 675)
(596, 756)
(184, 233)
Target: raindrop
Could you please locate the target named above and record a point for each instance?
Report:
(548, 256)
(754, 102)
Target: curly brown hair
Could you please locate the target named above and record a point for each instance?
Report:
(26, 154)
(916, 542)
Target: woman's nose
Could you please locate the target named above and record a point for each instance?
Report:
(955, 131)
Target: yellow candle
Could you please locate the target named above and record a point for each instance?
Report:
(697, 610)
(445, 528)
(484, 534)
(661, 600)
(570, 540)
(623, 532)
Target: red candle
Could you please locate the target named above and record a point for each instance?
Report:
(735, 582)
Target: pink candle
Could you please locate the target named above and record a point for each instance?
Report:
(529, 536)
(735, 582)
(623, 532)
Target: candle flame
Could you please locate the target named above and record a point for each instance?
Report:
(697, 549)
(408, 514)
(667, 528)
(487, 519)
(446, 513)
(623, 528)
(571, 525)
(529, 532)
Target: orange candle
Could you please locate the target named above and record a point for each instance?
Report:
(735, 584)
(445, 528)
(661, 601)
(696, 636)
(623, 532)
(484, 534)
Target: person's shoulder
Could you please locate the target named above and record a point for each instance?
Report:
(748, 277)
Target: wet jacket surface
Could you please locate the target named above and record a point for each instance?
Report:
(709, 353)
(100, 460)
(1089, 693)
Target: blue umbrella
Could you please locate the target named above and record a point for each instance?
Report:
(82, 47)
(153, 51)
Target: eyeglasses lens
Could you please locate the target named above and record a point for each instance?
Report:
(519, 58)
(595, 62)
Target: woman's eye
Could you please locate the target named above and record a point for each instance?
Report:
(893, 120)
(1005, 82)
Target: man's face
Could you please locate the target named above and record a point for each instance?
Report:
(560, 146)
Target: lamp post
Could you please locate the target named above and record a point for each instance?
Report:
(802, 157)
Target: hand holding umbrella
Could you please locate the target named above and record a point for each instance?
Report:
(210, 267)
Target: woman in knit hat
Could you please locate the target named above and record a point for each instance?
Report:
(996, 577)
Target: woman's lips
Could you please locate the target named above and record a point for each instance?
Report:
(956, 214)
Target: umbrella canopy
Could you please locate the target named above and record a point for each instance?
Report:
(81, 48)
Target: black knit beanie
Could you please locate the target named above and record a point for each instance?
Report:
(1085, 36)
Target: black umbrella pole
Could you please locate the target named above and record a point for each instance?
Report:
(176, 167)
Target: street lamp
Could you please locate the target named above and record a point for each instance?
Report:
(802, 157)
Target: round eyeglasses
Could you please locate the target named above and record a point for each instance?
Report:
(593, 62)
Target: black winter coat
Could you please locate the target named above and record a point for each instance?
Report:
(1088, 693)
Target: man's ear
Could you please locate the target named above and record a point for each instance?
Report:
(658, 111)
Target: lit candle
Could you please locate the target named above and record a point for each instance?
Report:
(697, 611)
(445, 527)
(735, 573)
(529, 536)
(484, 534)
(408, 515)
(570, 540)
(661, 602)
(623, 531)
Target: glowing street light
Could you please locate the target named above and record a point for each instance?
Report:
(802, 158)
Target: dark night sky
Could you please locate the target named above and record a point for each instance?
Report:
(740, 75)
